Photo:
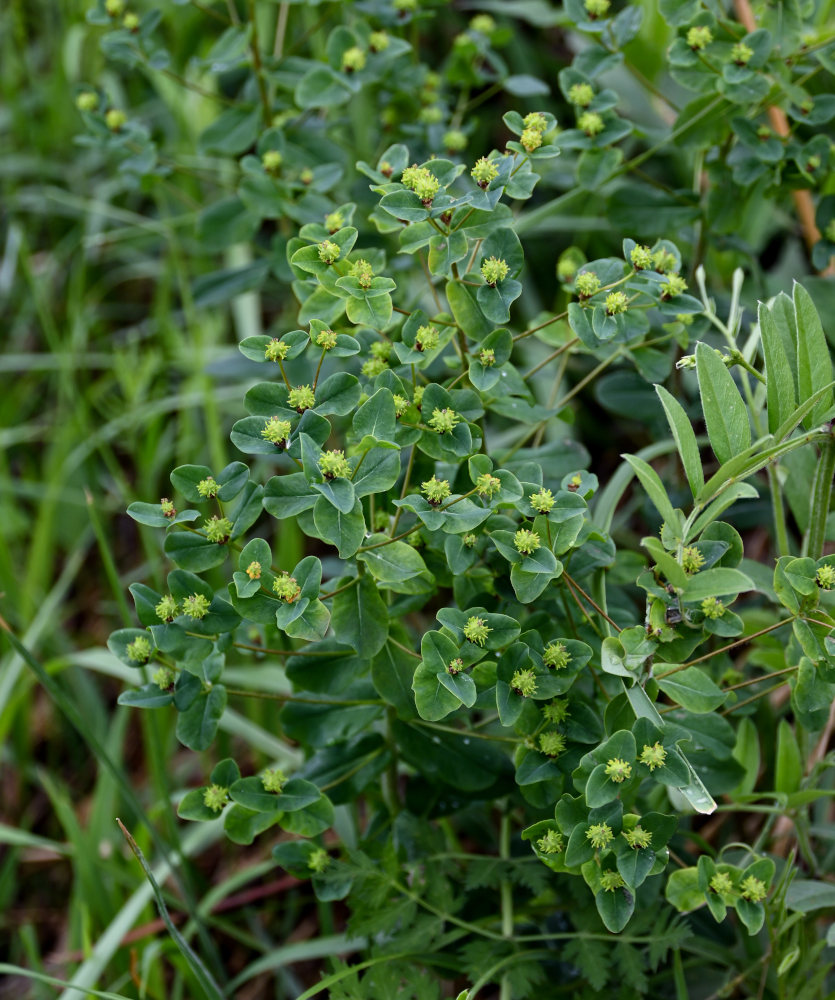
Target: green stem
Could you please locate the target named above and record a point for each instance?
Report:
(781, 531)
(392, 783)
(821, 494)
(506, 890)
(259, 67)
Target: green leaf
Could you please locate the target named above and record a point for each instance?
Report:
(392, 670)
(683, 890)
(615, 908)
(311, 624)
(360, 618)
(376, 417)
(288, 495)
(814, 366)
(651, 482)
(296, 794)
(338, 394)
(397, 566)
(717, 582)
(685, 439)
(374, 311)
(147, 696)
(322, 87)
(339, 492)
(232, 132)
(725, 414)
(197, 725)
(193, 552)
(807, 895)
(495, 301)
(345, 531)
(692, 689)
(780, 384)
(788, 765)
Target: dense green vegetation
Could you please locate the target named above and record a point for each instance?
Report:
(465, 373)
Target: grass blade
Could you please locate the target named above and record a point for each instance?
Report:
(202, 974)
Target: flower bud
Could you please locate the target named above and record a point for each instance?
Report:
(581, 94)
(301, 398)
(196, 606)
(271, 161)
(494, 270)
(591, 123)
(699, 37)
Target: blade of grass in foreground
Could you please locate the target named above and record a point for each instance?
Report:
(15, 970)
(204, 977)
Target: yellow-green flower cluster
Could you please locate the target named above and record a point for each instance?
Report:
(139, 651)
(637, 837)
(551, 743)
(271, 161)
(218, 529)
(301, 398)
(353, 59)
(426, 338)
(276, 431)
(443, 421)
(741, 53)
(196, 606)
(167, 609)
(326, 339)
(611, 880)
(712, 607)
(597, 8)
(523, 682)
(652, 756)
(277, 350)
(699, 37)
(215, 797)
(581, 94)
(494, 270)
(476, 630)
(363, 272)
(550, 842)
(286, 588)
(526, 542)
(487, 485)
(542, 501)
(674, 285)
(640, 257)
(618, 770)
(616, 303)
(692, 559)
(207, 487)
(600, 835)
(422, 181)
(329, 252)
(591, 123)
(273, 780)
(484, 172)
(587, 284)
(435, 490)
(334, 465)
(556, 656)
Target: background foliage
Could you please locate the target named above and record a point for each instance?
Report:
(139, 252)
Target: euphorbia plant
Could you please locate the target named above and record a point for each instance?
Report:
(482, 687)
